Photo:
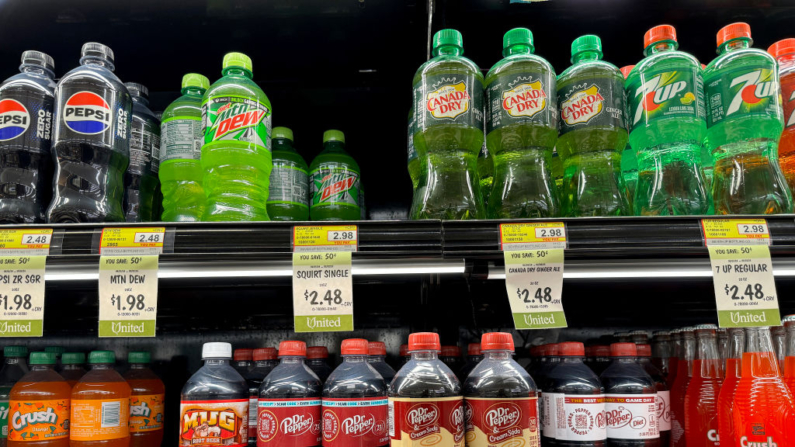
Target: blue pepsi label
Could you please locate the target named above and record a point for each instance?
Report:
(96, 116)
(26, 121)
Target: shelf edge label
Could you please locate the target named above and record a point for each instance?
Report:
(735, 232)
(325, 238)
(22, 295)
(532, 235)
(140, 241)
(322, 292)
(25, 242)
(128, 296)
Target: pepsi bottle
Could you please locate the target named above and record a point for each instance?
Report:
(91, 141)
(141, 180)
(26, 107)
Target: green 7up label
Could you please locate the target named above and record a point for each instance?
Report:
(744, 91)
(335, 186)
(666, 94)
(233, 118)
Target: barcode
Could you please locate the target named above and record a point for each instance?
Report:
(391, 418)
(111, 413)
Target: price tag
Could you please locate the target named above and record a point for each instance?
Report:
(745, 291)
(32, 242)
(322, 292)
(132, 241)
(735, 232)
(325, 238)
(127, 296)
(22, 296)
(530, 236)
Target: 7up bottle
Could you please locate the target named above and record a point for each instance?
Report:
(667, 122)
(236, 155)
(334, 181)
(745, 123)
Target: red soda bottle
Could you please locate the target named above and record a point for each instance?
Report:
(701, 400)
(779, 335)
(789, 361)
(687, 354)
(661, 353)
(726, 398)
(673, 361)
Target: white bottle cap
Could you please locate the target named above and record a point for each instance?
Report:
(217, 351)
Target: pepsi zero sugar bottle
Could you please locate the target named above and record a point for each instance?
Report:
(354, 401)
(90, 141)
(141, 181)
(425, 403)
(26, 107)
(501, 398)
(289, 402)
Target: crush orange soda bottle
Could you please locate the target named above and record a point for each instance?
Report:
(147, 403)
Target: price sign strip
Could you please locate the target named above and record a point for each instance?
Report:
(533, 255)
(132, 241)
(23, 257)
(127, 296)
(325, 238)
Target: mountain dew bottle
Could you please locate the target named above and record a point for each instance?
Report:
(593, 133)
(236, 156)
(448, 109)
(334, 181)
(668, 125)
(288, 198)
(629, 160)
(745, 122)
(180, 153)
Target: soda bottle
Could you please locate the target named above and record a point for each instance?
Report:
(684, 372)
(744, 125)
(236, 155)
(551, 353)
(701, 399)
(376, 357)
(639, 337)
(789, 361)
(74, 367)
(216, 387)
(485, 174)
(448, 134)
(622, 337)
(764, 411)
(723, 349)
(14, 368)
(100, 405)
(334, 181)
(39, 409)
(663, 413)
(538, 359)
(673, 361)
(630, 396)
(474, 356)
(289, 401)
(557, 170)
(58, 351)
(404, 354)
(779, 335)
(601, 359)
(451, 356)
(521, 130)
(181, 174)
(354, 401)
(147, 401)
(425, 402)
(661, 352)
(288, 198)
(501, 399)
(265, 359)
(667, 122)
(593, 133)
(317, 361)
(726, 397)
(25, 140)
(140, 180)
(784, 52)
(629, 159)
(91, 141)
(413, 159)
(242, 360)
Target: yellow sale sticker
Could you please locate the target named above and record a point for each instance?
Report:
(325, 238)
(29, 242)
(132, 241)
(529, 236)
(735, 232)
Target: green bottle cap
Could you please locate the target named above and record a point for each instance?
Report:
(139, 357)
(517, 36)
(283, 132)
(42, 358)
(101, 357)
(237, 60)
(589, 42)
(15, 351)
(448, 37)
(73, 358)
(195, 80)
(57, 350)
(333, 135)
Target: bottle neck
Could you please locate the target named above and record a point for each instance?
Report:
(448, 50)
(688, 348)
(497, 355)
(36, 69)
(334, 146)
(102, 366)
(586, 56)
(790, 350)
(735, 44)
(237, 71)
(357, 358)
(759, 359)
(139, 366)
(264, 363)
(293, 359)
(571, 359)
(97, 61)
(707, 346)
(73, 366)
(216, 362)
(193, 91)
(376, 358)
(41, 367)
(736, 343)
(661, 349)
(140, 100)
(626, 360)
(661, 46)
(283, 144)
(518, 49)
(16, 361)
(424, 355)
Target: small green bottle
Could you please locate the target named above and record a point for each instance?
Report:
(288, 198)
(334, 181)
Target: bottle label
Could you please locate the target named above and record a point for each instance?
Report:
(448, 99)
(146, 412)
(144, 147)
(334, 186)
(100, 118)
(99, 420)
(426, 422)
(21, 129)
(664, 410)
(666, 94)
(236, 118)
(214, 423)
(182, 138)
(507, 422)
(289, 422)
(38, 420)
(411, 149)
(632, 416)
(743, 91)
(573, 417)
(355, 422)
(521, 99)
(289, 184)
(4, 412)
(591, 103)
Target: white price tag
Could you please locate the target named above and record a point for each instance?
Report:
(534, 281)
(127, 296)
(322, 292)
(22, 296)
(325, 238)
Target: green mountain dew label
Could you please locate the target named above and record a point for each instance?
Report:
(181, 138)
(590, 103)
(666, 94)
(334, 186)
(525, 98)
(289, 184)
(744, 91)
(235, 118)
(448, 99)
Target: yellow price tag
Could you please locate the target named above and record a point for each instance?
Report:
(132, 241)
(30, 242)
(325, 238)
(528, 236)
(735, 232)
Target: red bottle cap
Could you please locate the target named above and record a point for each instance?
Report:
(242, 354)
(571, 349)
(626, 69)
(658, 34)
(782, 47)
(601, 351)
(734, 31)
(644, 350)
(264, 354)
(292, 347)
(473, 349)
(424, 341)
(496, 341)
(553, 349)
(354, 346)
(451, 351)
(376, 348)
(404, 350)
(317, 352)
(623, 350)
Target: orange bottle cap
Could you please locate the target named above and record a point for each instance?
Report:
(782, 47)
(658, 34)
(734, 31)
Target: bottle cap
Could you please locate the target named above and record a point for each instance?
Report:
(788, 321)
(626, 69)
(32, 57)
(217, 351)
(239, 60)
(404, 350)
(688, 331)
(473, 349)
(376, 348)
(195, 80)
(571, 349)
(496, 341)
(601, 351)
(282, 132)
(354, 346)
(139, 357)
(705, 327)
(553, 349)
(451, 351)
(588, 42)
(292, 348)
(734, 31)
(643, 350)
(73, 358)
(317, 352)
(264, 354)
(101, 357)
(424, 341)
(517, 36)
(641, 333)
(94, 49)
(448, 37)
(623, 350)
(333, 135)
(659, 34)
(661, 334)
(782, 47)
(136, 89)
(15, 351)
(57, 350)
(241, 355)
(42, 358)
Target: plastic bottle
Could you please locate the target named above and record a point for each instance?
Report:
(629, 159)
(485, 174)
(236, 155)
(784, 53)
(789, 361)
(448, 134)
(701, 399)
(726, 398)
(593, 133)
(630, 397)
(764, 411)
(557, 170)
(147, 401)
(14, 368)
(214, 402)
(317, 361)
(684, 372)
(601, 359)
(334, 181)
(779, 335)
(661, 352)
(639, 337)
(501, 399)
(723, 348)
(289, 401)
(413, 159)
(521, 130)
(377, 359)
(38, 413)
(26, 108)
(745, 121)
(242, 360)
(404, 355)
(451, 356)
(538, 359)
(181, 173)
(140, 180)
(667, 122)
(58, 351)
(552, 354)
(91, 141)
(100, 405)
(425, 402)
(354, 401)
(265, 359)
(673, 361)
(663, 412)
(74, 367)
(474, 356)
(288, 198)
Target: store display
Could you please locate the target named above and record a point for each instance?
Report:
(334, 182)
(730, 381)
(663, 405)
(288, 198)
(147, 401)
(100, 405)
(74, 367)
(474, 356)
(140, 180)
(377, 359)
(703, 390)
(317, 361)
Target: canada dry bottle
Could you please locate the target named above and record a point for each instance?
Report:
(317, 361)
(264, 361)
(74, 367)
(377, 359)
(663, 394)
(730, 381)
(147, 402)
(14, 368)
(39, 409)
